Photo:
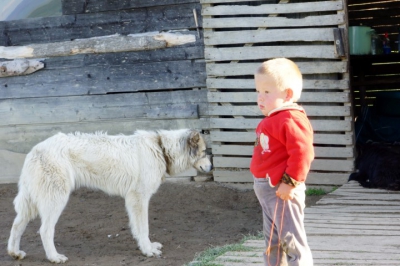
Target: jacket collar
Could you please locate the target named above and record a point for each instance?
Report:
(293, 106)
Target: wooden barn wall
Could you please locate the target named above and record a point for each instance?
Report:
(112, 92)
(238, 36)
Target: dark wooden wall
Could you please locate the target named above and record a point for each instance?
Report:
(371, 74)
(113, 92)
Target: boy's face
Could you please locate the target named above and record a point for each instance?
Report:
(269, 97)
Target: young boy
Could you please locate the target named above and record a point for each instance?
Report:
(281, 160)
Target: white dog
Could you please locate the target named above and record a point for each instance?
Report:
(132, 167)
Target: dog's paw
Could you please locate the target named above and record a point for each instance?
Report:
(18, 255)
(153, 250)
(57, 258)
(156, 245)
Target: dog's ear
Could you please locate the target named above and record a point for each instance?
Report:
(194, 142)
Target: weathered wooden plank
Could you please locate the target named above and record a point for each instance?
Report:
(247, 150)
(321, 110)
(104, 44)
(230, 176)
(355, 202)
(103, 79)
(268, 35)
(317, 164)
(22, 138)
(336, 139)
(311, 219)
(129, 21)
(324, 84)
(340, 209)
(235, 261)
(244, 175)
(363, 196)
(244, 97)
(350, 232)
(84, 6)
(318, 255)
(262, 52)
(224, 10)
(327, 178)
(68, 112)
(167, 105)
(241, 69)
(319, 138)
(186, 52)
(241, 123)
(274, 22)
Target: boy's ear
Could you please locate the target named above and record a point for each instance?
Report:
(289, 94)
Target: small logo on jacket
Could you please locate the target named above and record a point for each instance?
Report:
(263, 140)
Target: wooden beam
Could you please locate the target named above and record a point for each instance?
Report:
(105, 44)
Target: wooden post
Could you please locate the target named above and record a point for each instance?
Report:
(105, 44)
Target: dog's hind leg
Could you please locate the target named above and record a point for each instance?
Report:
(49, 211)
(137, 206)
(25, 212)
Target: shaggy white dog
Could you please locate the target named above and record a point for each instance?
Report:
(132, 167)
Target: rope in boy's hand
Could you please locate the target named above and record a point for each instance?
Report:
(268, 250)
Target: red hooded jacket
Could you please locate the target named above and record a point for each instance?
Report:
(284, 144)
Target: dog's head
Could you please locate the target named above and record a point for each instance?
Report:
(197, 150)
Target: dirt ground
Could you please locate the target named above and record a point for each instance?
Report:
(187, 218)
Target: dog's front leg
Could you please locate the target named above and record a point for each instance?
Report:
(137, 206)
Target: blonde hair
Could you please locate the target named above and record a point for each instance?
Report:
(285, 73)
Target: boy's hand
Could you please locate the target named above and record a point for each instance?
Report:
(285, 191)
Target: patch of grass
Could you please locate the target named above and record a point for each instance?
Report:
(206, 257)
(315, 192)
